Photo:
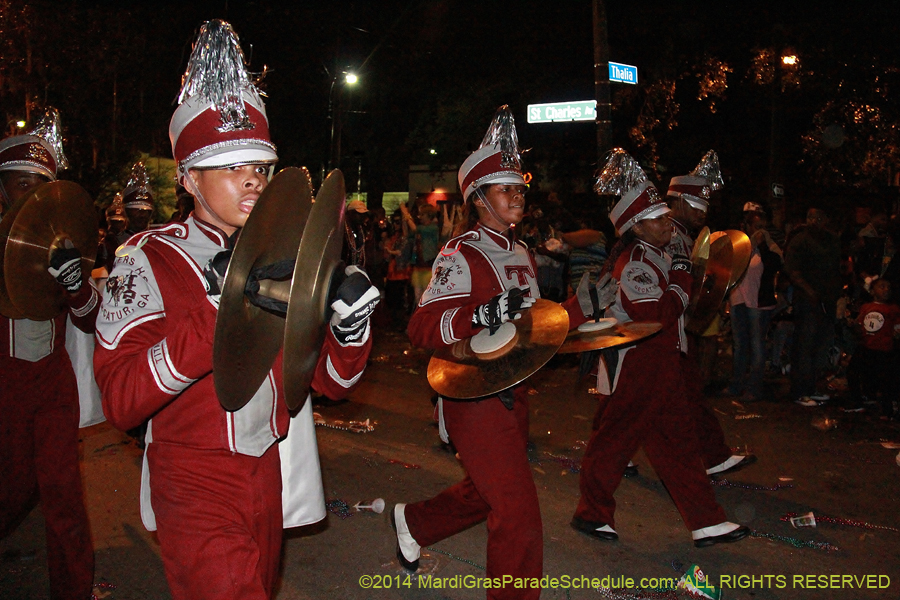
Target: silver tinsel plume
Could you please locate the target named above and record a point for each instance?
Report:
(620, 173)
(50, 129)
(502, 132)
(139, 177)
(709, 170)
(216, 73)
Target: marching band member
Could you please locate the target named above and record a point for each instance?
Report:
(38, 388)
(214, 476)
(483, 278)
(688, 198)
(646, 405)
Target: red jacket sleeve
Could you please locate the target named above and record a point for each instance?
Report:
(340, 368)
(83, 307)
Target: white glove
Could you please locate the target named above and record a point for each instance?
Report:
(502, 308)
(354, 303)
(605, 290)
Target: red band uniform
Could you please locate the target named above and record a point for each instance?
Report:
(214, 484)
(647, 407)
(490, 439)
(688, 197)
(39, 400)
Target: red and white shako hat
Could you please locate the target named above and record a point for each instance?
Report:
(221, 119)
(137, 193)
(39, 151)
(623, 176)
(497, 160)
(696, 187)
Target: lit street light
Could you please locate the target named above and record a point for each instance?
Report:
(14, 125)
(335, 112)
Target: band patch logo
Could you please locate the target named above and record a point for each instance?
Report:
(522, 272)
(639, 279)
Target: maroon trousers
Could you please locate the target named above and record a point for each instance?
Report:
(499, 487)
(710, 437)
(219, 521)
(39, 450)
(649, 409)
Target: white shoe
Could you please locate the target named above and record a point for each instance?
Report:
(732, 464)
(408, 551)
(807, 401)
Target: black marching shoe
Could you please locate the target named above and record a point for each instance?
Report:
(737, 534)
(601, 531)
(405, 540)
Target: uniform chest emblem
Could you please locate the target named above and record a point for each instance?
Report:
(640, 278)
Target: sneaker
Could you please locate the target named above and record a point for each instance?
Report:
(807, 401)
(820, 397)
(853, 409)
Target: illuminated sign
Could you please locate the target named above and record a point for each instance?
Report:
(622, 73)
(585, 110)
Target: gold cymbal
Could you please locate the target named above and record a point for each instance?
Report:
(50, 214)
(7, 308)
(714, 288)
(741, 248)
(457, 372)
(699, 258)
(621, 334)
(248, 338)
(318, 256)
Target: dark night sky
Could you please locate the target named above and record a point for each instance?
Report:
(437, 69)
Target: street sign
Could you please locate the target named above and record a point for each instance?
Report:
(584, 110)
(778, 190)
(622, 73)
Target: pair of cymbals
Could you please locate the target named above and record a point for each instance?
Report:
(286, 224)
(699, 258)
(741, 249)
(47, 217)
(456, 371)
(621, 334)
(729, 255)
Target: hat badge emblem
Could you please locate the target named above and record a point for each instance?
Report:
(36, 152)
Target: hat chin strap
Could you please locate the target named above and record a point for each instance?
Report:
(493, 212)
(5, 202)
(191, 186)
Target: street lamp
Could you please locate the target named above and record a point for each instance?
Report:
(786, 66)
(335, 112)
(14, 125)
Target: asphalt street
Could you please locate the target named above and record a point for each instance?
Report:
(842, 470)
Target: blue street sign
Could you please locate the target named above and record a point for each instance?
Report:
(622, 73)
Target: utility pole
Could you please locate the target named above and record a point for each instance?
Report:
(601, 80)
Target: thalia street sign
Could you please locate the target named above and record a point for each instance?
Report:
(622, 73)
